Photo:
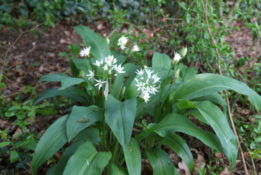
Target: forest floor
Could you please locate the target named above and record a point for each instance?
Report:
(37, 54)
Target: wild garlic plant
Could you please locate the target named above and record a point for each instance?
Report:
(123, 113)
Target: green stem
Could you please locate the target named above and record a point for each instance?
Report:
(157, 116)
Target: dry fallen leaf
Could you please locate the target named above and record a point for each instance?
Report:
(183, 166)
(225, 172)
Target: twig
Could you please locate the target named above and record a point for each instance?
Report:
(252, 160)
(6, 61)
(227, 99)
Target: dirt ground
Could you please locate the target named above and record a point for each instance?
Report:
(37, 53)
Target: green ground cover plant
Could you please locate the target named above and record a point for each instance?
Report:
(123, 113)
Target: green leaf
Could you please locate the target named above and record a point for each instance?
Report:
(80, 118)
(80, 64)
(132, 157)
(2, 144)
(177, 144)
(218, 121)
(214, 98)
(118, 170)
(99, 47)
(204, 84)
(28, 143)
(2, 85)
(57, 77)
(52, 140)
(123, 80)
(161, 60)
(73, 93)
(187, 72)
(13, 156)
(70, 81)
(75, 49)
(180, 123)
(90, 134)
(161, 162)
(86, 160)
(10, 113)
(120, 117)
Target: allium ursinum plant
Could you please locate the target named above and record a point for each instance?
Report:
(111, 97)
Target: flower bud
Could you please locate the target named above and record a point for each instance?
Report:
(176, 58)
(123, 91)
(108, 40)
(82, 74)
(183, 52)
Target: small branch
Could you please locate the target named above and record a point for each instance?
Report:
(227, 99)
(6, 60)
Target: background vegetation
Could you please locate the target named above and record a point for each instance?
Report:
(164, 26)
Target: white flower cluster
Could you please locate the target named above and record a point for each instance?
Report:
(122, 42)
(109, 65)
(109, 68)
(146, 83)
(85, 52)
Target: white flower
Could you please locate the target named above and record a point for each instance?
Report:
(149, 72)
(110, 60)
(99, 83)
(155, 78)
(140, 85)
(176, 58)
(146, 84)
(183, 51)
(85, 52)
(90, 75)
(98, 63)
(145, 96)
(153, 90)
(106, 91)
(105, 67)
(135, 48)
(118, 69)
(140, 72)
(122, 42)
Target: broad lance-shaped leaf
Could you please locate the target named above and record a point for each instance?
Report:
(210, 114)
(161, 162)
(180, 123)
(177, 144)
(57, 77)
(78, 65)
(161, 60)
(123, 80)
(218, 121)
(204, 84)
(73, 93)
(118, 170)
(52, 140)
(99, 47)
(120, 117)
(70, 81)
(90, 134)
(132, 157)
(81, 118)
(87, 160)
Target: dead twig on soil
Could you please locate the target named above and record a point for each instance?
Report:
(6, 60)
(227, 99)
